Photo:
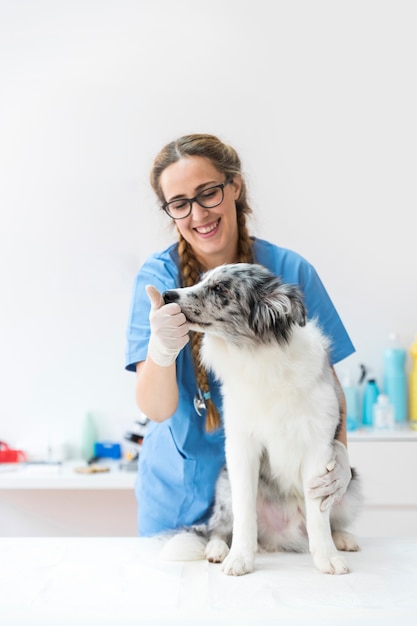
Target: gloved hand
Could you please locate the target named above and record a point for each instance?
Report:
(169, 329)
(331, 486)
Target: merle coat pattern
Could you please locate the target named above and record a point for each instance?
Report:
(281, 410)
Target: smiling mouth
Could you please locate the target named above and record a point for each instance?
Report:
(206, 230)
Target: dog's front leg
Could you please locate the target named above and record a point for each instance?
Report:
(323, 550)
(243, 460)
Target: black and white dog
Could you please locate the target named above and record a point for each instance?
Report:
(281, 413)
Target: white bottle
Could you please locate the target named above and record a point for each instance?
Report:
(383, 413)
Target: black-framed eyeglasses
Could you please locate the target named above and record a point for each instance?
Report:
(208, 199)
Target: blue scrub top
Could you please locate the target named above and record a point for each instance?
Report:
(179, 461)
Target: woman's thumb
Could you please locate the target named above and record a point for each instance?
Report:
(154, 296)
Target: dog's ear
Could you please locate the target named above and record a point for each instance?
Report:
(290, 302)
(275, 312)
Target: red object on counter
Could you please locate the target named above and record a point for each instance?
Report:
(8, 455)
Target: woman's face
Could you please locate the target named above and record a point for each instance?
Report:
(212, 233)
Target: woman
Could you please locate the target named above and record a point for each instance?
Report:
(199, 182)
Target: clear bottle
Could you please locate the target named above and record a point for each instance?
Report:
(370, 396)
(395, 379)
(383, 413)
(413, 386)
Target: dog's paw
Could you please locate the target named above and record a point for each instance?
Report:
(216, 551)
(345, 541)
(333, 564)
(238, 564)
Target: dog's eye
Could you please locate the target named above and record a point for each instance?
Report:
(219, 289)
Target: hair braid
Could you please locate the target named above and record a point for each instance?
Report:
(245, 250)
(190, 271)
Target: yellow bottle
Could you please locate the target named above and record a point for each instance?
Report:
(413, 386)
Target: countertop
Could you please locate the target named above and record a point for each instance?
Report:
(64, 476)
(18, 476)
(401, 432)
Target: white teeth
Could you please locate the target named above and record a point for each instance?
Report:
(207, 229)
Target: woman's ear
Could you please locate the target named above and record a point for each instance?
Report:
(236, 184)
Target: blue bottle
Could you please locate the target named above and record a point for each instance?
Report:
(370, 396)
(395, 379)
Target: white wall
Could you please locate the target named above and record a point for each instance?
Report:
(319, 97)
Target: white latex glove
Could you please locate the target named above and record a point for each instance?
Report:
(331, 487)
(169, 329)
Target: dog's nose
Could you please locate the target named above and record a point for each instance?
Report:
(170, 296)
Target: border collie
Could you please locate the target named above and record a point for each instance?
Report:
(281, 407)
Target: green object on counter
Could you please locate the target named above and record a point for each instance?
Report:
(88, 437)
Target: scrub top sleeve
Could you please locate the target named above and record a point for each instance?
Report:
(320, 306)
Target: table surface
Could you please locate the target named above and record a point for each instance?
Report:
(118, 581)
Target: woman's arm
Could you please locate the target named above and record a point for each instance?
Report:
(331, 487)
(156, 390)
(341, 433)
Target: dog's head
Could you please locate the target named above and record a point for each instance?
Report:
(243, 303)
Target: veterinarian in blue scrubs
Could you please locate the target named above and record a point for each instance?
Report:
(199, 182)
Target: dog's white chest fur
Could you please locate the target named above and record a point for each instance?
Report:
(276, 397)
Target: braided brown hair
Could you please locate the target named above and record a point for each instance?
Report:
(226, 160)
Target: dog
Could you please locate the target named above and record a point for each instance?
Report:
(281, 406)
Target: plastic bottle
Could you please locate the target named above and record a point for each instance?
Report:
(383, 413)
(413, 386)
(352, 402)
(370, 397)
(395, 379)
(88, 437)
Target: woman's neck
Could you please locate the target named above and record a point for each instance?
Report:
(210, 262)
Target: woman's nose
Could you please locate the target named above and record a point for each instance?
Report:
(198, 211)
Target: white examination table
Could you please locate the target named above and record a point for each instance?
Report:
(122, 581)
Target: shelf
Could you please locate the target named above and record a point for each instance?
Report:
(22, 476)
